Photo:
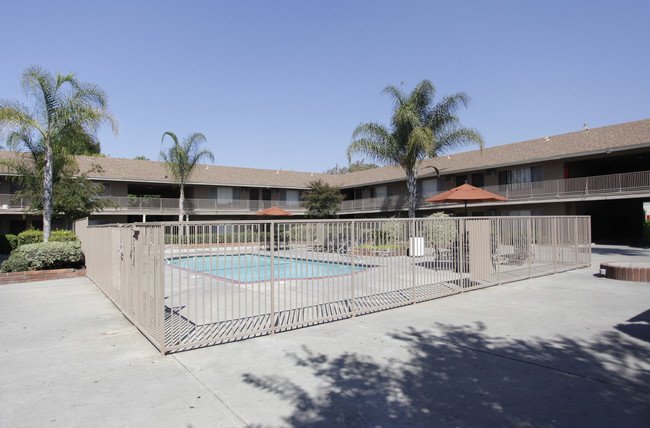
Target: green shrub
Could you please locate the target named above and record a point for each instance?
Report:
(62, 236)
(30, 236)
(8, 243)
(45, 255)
(646, 229)
(15, 263)
(34, 236)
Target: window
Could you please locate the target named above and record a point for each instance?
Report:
(380, 192)
(520, 175)
(429, 188)
(477, 180)
(224, 195)
(293, 198)
(460, 180)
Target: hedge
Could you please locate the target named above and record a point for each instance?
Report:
(45, 255)
(10, 242)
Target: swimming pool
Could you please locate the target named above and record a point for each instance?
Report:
(258, 267)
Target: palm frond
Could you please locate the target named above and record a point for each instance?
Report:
(397, 94)
(445, 111)
(15, 115)
(181, 158)
(374, 141)
(455, 139)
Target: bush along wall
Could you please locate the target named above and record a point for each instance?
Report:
(45, 255)
(10, 242)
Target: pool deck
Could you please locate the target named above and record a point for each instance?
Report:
(565, 350)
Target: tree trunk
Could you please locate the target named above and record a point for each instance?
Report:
(181, 202)
(411, 185)
(47, 191)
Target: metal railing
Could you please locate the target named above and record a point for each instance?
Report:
(197, 206)
(584, 187)
(193, 284)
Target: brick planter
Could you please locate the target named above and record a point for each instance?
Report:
(625, 271)
(40, 275)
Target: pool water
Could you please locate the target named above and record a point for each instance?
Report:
(256, 267)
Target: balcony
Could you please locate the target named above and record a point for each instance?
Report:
(585, 188)
(137, 205)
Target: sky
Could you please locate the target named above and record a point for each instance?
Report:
(283, 84)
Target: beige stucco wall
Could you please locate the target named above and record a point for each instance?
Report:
(201, 192)
(119, 189)
(553, 170)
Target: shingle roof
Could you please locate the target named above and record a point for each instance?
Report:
(151, 171)
(621, 136)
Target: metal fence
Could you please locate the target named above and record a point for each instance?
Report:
(193, 284)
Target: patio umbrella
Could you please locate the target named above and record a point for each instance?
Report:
(466, 193)
(274, 212)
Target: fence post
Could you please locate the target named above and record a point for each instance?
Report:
(272, 243)
(531, 231)
(411, 250)
(351, 249)
(159, 287)
(576, 241)
(497, 249)
(554, 242)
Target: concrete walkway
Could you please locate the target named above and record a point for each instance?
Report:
(564, 351)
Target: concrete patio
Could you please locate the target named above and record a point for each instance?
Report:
(565, 350)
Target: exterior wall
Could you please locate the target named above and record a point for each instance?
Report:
(202, 192)
(118, 189)
(553, 170)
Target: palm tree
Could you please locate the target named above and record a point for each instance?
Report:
(65, 111)
(418, 130)
(181, 158)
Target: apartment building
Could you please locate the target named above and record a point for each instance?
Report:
(603, 172)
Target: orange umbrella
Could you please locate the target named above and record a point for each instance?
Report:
(466, 193)
(274, 212)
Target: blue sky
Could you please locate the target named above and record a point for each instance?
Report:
(282, 84)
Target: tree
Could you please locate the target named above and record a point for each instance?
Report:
(74, 195)
(322, 200)
(66, 115)
(181, 158)
(141, 157)
(353, 167)
(418, 130)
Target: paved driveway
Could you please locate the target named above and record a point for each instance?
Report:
(565, 350)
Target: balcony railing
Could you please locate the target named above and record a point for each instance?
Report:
(594, 187)
(200, 206)
(579, 188)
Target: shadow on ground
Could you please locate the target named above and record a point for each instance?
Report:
(637, 326)
(460, 376)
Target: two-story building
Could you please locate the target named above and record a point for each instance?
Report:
(603, 172)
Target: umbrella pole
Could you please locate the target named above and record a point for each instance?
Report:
(465, 208)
